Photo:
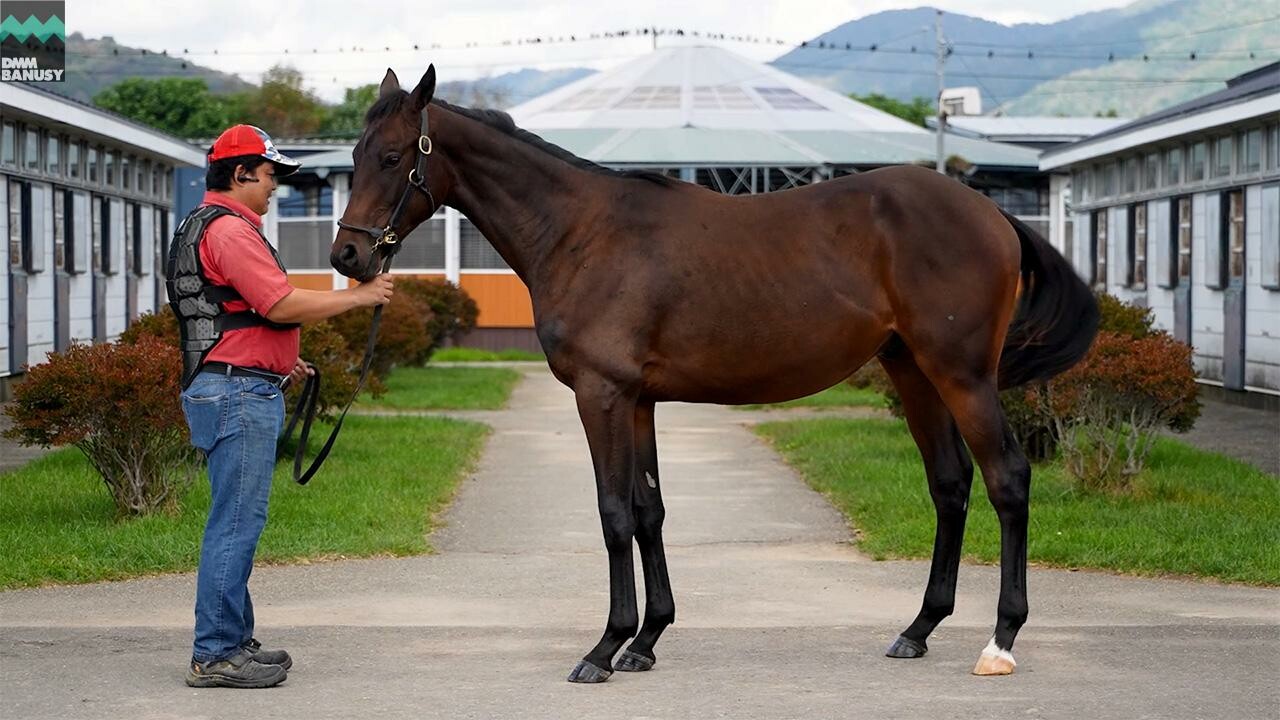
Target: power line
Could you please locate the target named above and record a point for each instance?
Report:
(1138, 39)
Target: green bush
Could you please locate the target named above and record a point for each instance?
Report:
(118, 403)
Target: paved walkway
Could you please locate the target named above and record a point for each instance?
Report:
(778, 617)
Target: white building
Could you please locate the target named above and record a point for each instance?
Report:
(1179, 211)
(86, 207)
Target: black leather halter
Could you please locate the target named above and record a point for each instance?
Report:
(417, 179)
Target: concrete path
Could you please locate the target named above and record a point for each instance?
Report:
(778, 617)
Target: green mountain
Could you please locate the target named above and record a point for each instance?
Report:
(95, 64)
(1082, 65)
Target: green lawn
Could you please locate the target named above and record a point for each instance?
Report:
(463, 354)
(376, 495)
(842, 395)
(444, 388)
(1195, 513)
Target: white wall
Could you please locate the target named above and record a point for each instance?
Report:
(116, 283)
(1161, 260)
(1206, 303)
(4, 274)
(81, 313)
(1262, 306)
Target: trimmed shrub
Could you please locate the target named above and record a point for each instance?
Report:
(118, 403)
(1107, 409)
(160, 324)
(326, 348)
(453, 312)
(402, 336)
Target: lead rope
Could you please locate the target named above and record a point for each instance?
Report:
(306, 406)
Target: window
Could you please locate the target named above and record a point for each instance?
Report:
(157, 180)
(1151, 172)
(31, 151)
(1222, 156)
(1250, 160)
(1273, 147)
(126, 171)
(53, 155)
(109, 162)
(95, 233)
(74, 252)
(1235, 234)
(91, 165)
(1195, 163)
(9, 145)
(141, 168)
(168, 182)
(105, 248)
(73, 160)
(1173, 167)
(1131, 175)
(59, 228)
(1100, 248)
(1183, 238)
(18, 227)
(1136, 273)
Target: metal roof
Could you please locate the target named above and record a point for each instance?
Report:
(702, 87)
(699, 106)
(108, 125)
(1252, 94)
(1029, 128)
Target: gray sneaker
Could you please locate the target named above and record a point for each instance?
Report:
(267, 657)
(238, 671)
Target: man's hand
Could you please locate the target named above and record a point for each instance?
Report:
(376, 291)
(301, 369)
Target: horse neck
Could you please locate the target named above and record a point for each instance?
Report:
(518, 196)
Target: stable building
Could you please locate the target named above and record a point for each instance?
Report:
(1179, 211)
(86, 207)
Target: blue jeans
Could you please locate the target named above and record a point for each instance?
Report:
(235, 422)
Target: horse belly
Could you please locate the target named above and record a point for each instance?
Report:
(771, 359)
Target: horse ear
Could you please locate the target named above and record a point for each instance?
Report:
(426, 88)
(390, 84)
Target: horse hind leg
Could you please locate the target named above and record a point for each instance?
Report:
(950, 475)
(659, 606)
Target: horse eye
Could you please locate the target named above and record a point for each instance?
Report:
(391, 160)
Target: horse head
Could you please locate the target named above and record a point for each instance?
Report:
(398, 182)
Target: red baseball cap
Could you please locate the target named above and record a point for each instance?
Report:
(249, 140)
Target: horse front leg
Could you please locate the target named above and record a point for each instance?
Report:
(659, 606)
(608, 417)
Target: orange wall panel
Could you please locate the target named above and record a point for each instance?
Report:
(503, 300)
(311, 281)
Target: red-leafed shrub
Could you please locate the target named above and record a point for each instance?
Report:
(339, 365)
(160, 324)
(1107, 409)
(453, 312)
(119, 404)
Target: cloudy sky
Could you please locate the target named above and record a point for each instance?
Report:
(251, 35)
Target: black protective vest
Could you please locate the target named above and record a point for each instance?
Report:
(196, 302)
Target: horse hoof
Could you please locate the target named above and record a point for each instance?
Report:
(633, 662)
(585, 672)
(994, 661)
(905, 647)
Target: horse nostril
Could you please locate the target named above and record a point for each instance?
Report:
(348, 254)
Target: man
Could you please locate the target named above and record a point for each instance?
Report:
(239, 319)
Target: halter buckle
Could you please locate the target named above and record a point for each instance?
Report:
(424, 150)
(388, 237)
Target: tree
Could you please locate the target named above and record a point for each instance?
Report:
(347, 117)
(180, 106)
(282, 106)
(913, 112)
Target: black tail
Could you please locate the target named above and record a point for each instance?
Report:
(1056, 319)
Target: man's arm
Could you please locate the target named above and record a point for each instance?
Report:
(304, 306)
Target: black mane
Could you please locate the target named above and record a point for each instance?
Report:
(502, 122)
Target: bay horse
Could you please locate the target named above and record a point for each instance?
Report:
(646, 289)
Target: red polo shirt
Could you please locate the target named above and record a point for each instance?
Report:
(233, 254)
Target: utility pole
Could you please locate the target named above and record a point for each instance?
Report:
(941, 56)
